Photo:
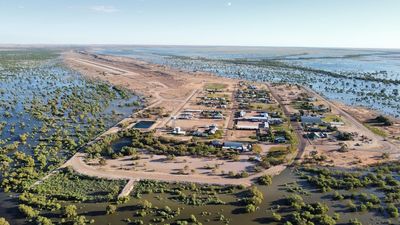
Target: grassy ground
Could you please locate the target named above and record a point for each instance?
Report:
(376, 130)
(277, 154)
(215, 86)
(216, 95)
(265, 106)
(332, 118)
(68, 185)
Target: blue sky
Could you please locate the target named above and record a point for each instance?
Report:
(313, 23)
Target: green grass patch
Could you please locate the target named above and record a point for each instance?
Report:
(376, 130)
(277, 155)
(67, 185)
(216, 95)
(215, 86)
(265, 106)
(332, 118)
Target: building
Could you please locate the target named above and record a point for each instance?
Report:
(311, 120)
(178, 131)
(212, 129)
(185, 116)
(247, 127)
(275, 121)
(199, 134)
(336, 124)
(280, 139)
(234, 146)
(217, 144)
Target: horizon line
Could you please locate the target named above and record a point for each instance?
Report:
(192, 45)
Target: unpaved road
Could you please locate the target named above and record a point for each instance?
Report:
(78, 164)
(386, 146)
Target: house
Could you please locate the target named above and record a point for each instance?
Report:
(310, 120)
(336, 124)
(185, 116)
(280, 139)
(316, 135)
(178, 131)
(199, 134)
(320, 108)
(192, 111)
(216, 144)
(247, 127)
(275, 121)
(242, 113)
(234, 146)
(212, 129)
(263, 125)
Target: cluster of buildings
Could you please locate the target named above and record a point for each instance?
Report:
(251, 94)
(259, 120)
(316, 128)
(215, 102)
(230, 145)
(189, 114)
(212, 114)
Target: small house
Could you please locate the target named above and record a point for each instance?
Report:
(311, 120)
(234, 146)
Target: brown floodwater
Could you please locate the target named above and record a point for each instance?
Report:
(273, 197)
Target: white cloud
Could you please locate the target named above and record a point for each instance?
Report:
(229, 4)
(104, 8)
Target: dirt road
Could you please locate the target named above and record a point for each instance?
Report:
(295, 125)
(386, 146)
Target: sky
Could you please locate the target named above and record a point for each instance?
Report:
(307, 23)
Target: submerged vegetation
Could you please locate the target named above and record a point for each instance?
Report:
(377, 89)
(48, 112)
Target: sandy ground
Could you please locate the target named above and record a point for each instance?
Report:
(156, 168)
(363, 115)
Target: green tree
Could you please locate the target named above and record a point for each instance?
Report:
(250, 208)
(3, 221)
(111, 209)
(28, 211)
(70, 211)
(43, 221)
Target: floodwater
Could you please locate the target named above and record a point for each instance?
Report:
(26, 84)
(363, 77)
(144, 124)
(273, 197)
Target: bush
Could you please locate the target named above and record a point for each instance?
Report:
(3, 221)
(264, 180)
(111, 209)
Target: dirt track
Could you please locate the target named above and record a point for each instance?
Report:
(386, 146)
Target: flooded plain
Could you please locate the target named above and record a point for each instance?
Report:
(365, 77)
(47, 111)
